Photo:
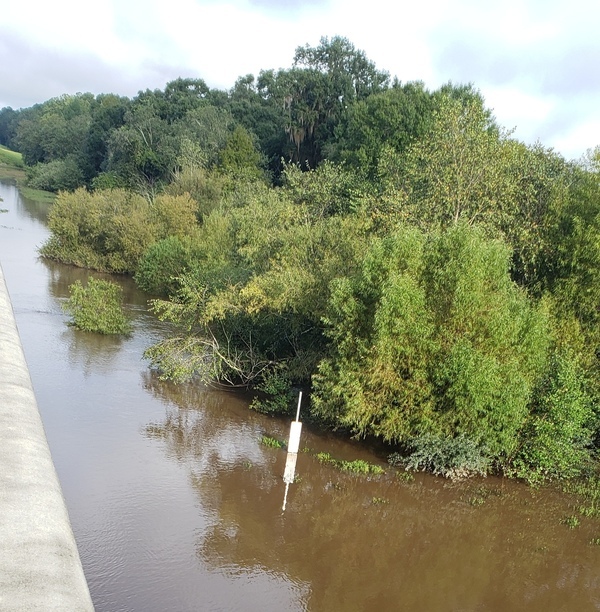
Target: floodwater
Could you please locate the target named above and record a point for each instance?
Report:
(177, 506)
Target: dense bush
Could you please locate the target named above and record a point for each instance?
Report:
(277, 396)
(432, 338)
(161, 264)
(97, 307)
(111, 230)
(556, 438)
(55, 175)
(453, 458)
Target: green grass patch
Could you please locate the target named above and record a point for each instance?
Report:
(588, 492)
(357, 466)
(405, 476)
(376, 501)
(13, 174)
(11, 158)
(271, 442)
(38, 195)
(12, 167)
(571, 522)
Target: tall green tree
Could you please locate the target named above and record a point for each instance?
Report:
(395, 117)
(255, 109)
(8, 126)
(316, 92)
(459, 171)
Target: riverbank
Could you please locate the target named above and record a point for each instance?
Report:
(12, 168)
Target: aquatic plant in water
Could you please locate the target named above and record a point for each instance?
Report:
(271, 442)
(358, 466)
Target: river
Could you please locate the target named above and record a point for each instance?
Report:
(176, 505)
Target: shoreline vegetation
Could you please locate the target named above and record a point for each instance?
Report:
(431, 281)
(12, 168)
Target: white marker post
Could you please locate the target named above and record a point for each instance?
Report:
(292, 456)
(295, 430)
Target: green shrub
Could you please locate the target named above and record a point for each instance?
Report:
(432, 341)
(97, 307)
(277, 395)
(56, 175)
(111, 230)
(449, 457)
(108, 180)
(160, 266)
(556, 439)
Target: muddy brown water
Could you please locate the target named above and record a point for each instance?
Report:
(177, 506)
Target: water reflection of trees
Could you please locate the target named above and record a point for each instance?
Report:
(369, 544)
(34, 209)
(92, 353)
(60, 276)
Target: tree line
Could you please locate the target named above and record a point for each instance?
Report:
(431, 279)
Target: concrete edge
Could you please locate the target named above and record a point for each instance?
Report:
(40, 567)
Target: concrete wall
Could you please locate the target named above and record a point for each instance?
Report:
(40, 568)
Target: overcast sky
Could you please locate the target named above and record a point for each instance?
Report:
(536, 62)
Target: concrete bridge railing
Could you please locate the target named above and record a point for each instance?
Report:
(40, 568)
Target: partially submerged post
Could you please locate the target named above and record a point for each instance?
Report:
(292, 456)
(295, 430)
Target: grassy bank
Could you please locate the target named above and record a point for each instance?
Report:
(11, 158)
(13, 168)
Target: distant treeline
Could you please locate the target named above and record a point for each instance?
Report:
(435, 282)
(332, 104)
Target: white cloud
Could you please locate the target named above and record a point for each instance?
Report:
(519, 110)
(579, 139)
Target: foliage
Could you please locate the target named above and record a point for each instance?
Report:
(97, 307)
(395, 117)
(556, 439)
(459, 170)
(253, 107)
(162, 263)
(271, 442)
(357, 466)
(55, 129)
(277, 396)
(206, 187)
(8, 124)
(452, 458)
(432, 338)
(65, 139)
(239, 155)
(111, 230)
(55, 175)
(258, 290)
(329, 190)
(573, 264)
(316, 92)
